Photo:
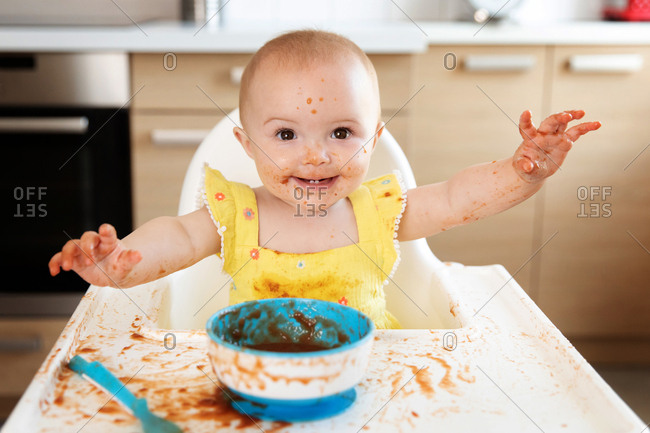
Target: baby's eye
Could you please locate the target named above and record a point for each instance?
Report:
(285, 134)
(341, 133)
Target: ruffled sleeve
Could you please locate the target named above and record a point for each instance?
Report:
(389, 196)
(218, 197)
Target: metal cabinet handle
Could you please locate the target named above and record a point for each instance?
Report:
(606, 63)
(178, 137)
(499, 63)
(54, 125)
(27, 344)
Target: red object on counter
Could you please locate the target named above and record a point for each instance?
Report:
(637, 10)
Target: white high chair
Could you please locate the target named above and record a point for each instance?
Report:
(408, 291)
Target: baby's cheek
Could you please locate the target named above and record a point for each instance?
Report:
(355, 167)
(269, 173)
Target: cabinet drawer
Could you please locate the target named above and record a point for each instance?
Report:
(170, 80)
(159, 169)
(465, 116)
(24, 345)
(395, 77)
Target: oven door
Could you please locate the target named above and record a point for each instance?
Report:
(66, 170)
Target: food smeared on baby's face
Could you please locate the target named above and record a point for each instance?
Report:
(307, 125)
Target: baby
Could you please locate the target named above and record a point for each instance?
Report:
(310, 115)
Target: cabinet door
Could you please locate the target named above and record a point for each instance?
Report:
(463, 116)
(395, 76)
(595, 273)
(178, 81)
(24, 344)
(161, 156)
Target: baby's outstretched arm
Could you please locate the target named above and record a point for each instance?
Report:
(490, 188)
(157, 248)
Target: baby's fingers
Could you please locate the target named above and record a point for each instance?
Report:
(70, 254)
(88, 243)
(55, 264)
(577, 131)
(126, 260)
(556, 122)
(107, 239)
(526, 127)
(525, 164)
(576, 114)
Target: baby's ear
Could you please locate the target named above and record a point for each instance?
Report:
(378, 130)
(243, 139)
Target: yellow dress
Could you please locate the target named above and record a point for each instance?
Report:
(352, 275)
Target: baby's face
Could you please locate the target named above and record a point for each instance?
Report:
(311, 132)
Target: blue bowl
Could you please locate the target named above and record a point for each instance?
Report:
(252, 345)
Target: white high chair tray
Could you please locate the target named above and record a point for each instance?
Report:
(509, 370)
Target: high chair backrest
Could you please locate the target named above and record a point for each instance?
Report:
(409, 288)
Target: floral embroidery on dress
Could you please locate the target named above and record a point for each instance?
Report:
(385, 181)
(248, 213)
(343, 300)
(255, 253)
(301, 264)
(219, 196)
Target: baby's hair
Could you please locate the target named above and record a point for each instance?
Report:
(301, 49)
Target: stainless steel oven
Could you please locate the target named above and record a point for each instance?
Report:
(64, 135)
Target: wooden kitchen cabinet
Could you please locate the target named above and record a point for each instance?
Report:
(24, 344)
(174, 81)
(463, 116)
(159, 169)
(594, 276)
(168, 100)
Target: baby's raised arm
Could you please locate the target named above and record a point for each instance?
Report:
(490, 188)
(157, 248)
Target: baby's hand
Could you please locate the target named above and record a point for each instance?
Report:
(544, 149)
(99, 258)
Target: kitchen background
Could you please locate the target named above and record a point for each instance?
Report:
(284, 11)
(592, 280)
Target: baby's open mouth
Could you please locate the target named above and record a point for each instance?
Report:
(317, 182)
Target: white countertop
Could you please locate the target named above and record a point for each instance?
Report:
(504, 33)
(394, 37)
(399, 37)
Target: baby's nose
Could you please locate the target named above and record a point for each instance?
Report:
(315, 154)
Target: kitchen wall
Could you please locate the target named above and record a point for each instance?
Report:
(86, 12)
(526, 11)
(314, 12)
(298, 12)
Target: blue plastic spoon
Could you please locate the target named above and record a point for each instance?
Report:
(104, 378)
